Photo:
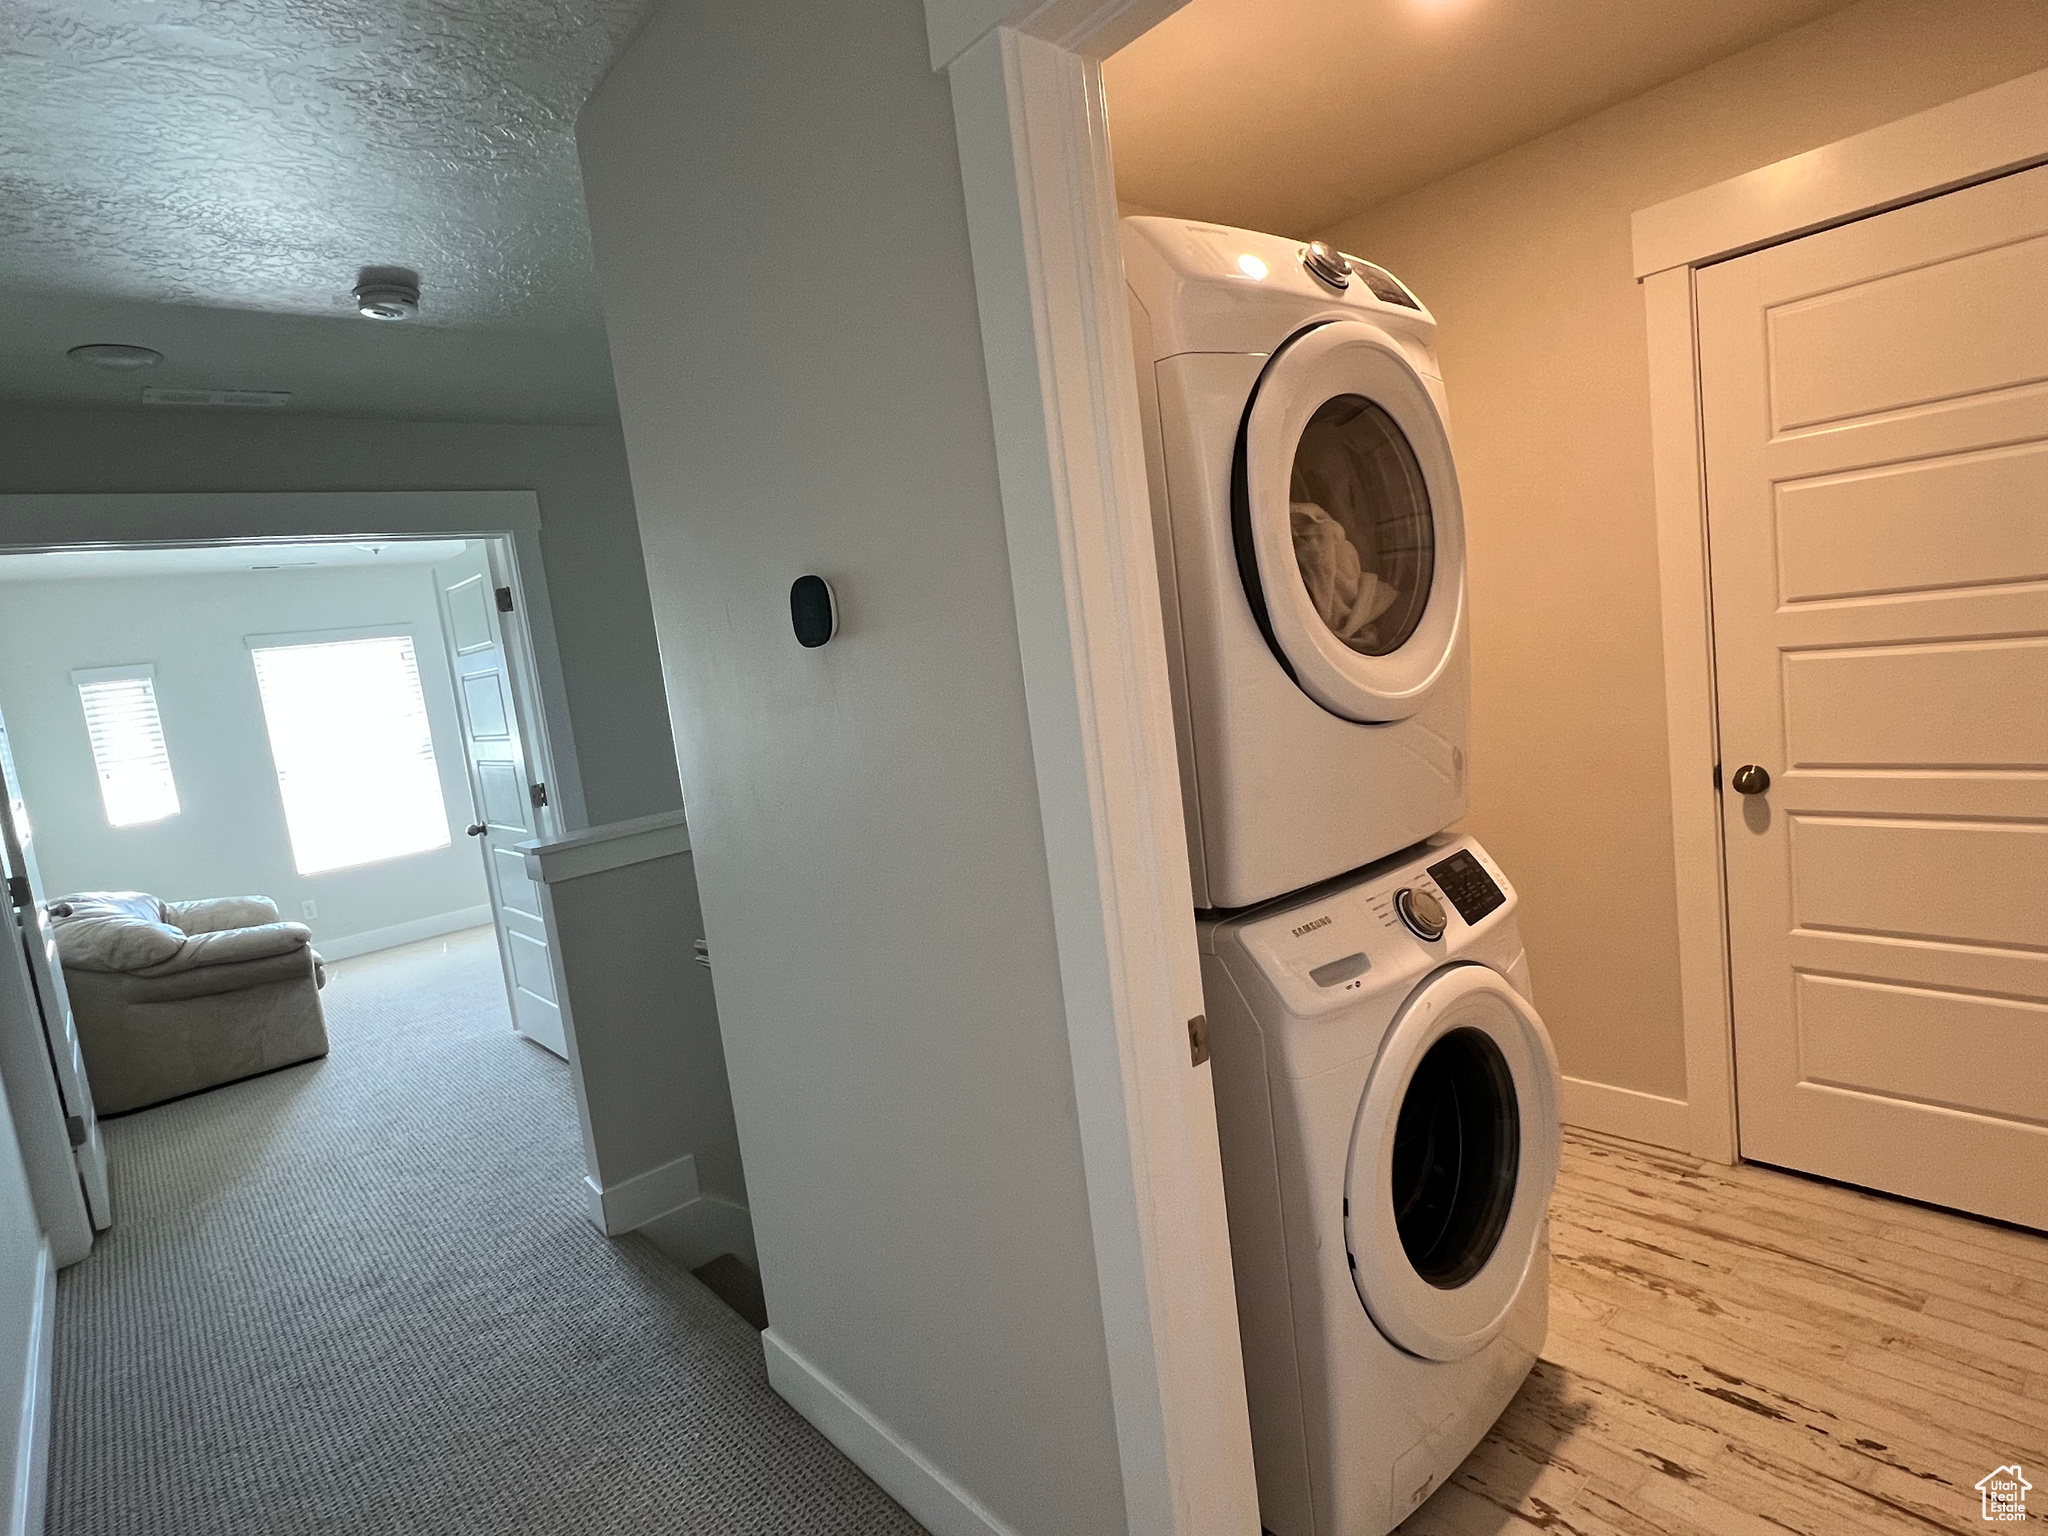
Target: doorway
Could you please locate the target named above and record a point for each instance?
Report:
(273, 718)
(341, 712)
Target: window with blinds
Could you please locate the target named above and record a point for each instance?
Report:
(354, 754)
(127, 738)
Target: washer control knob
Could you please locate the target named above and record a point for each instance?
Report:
(1422, 912)
(1326, 266)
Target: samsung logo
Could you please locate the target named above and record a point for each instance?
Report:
(1321, 922)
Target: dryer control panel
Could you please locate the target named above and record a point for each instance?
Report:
(1465, 881)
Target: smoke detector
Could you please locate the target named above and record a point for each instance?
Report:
(116, 355)
(387, 293)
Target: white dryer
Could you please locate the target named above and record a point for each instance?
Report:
(1387, 1100)
(1311, 553)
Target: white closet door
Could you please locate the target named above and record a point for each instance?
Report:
(1876, 411)
(509, 799)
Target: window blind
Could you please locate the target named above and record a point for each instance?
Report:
(127, 744)
(353, 750)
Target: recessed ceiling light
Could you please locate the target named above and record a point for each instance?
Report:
(116, 355)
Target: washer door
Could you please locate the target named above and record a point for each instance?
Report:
(1452, 1161)
(1350, 534)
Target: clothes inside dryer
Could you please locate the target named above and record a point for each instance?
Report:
(1364, 537)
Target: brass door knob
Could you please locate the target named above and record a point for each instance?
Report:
(1750, 780)
(478, 829)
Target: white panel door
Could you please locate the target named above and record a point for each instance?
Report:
(32, 929)
(509, 798)
(1875, 401)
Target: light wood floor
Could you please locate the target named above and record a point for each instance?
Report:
(1742, 1352)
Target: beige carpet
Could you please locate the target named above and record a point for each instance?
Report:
(360, 1296)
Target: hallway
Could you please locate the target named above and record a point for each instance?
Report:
(360, 1295)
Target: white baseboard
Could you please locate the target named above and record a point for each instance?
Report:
(1627, 1113)
(30, 1493)
(941, 1505)
(617, 1208)
(699, 1231)
(348, 946)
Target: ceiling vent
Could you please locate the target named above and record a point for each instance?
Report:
(244, 399)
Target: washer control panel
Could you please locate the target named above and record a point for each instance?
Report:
(1375, 932)
(1470, 888)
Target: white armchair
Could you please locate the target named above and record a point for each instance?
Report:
(174, 997)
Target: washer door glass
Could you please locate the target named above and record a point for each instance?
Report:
(1347, 523)
(1457, 1152)
(1453, 1155)
(1364, 539)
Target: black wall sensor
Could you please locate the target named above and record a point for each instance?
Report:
(813, 613)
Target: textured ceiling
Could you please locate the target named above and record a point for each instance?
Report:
(1289, 115)
(206, 177)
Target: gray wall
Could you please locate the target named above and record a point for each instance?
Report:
(650, 1062)
(229, 836)
(21, 1241)
(596, 582)
(776, 204)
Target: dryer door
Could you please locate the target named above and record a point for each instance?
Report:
(1453, 1156)
(1350, 535)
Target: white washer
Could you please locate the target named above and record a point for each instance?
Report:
(1388, 1110)
(1311, 553)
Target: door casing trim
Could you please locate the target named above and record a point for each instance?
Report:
(1040, 197)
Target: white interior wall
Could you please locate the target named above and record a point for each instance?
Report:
(610, 735)
(783, 257)
(229, 837)
(21, 1261)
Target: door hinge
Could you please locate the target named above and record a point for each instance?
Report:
(76, 1127)
(504, 599)
(538, 794)
(18, 891)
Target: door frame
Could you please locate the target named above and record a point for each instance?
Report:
(1974, 139)
(507, 523)
(141, 520)
(1040, 193)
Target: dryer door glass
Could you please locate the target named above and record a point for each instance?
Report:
(1346, 522)
(1364, 539)
(1457, 1151)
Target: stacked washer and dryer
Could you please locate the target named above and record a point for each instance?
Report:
(1386, 1096)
